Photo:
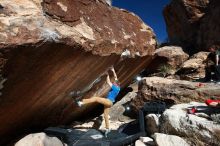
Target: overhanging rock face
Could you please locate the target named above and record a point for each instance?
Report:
(49, 48)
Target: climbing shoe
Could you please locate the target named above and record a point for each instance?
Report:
(107, 131)
(77, 102)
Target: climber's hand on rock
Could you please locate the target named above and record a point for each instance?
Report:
(106, 73)
(112, 68)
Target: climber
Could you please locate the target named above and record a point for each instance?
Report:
(107, 102)
(212, 64)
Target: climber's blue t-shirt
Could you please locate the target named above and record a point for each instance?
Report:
(112, 94)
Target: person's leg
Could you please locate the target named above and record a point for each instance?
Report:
(106, 117)
(89, 100)
(207, 74)
(217, 73)
(106, 102)
(86, 101)
(213, 72)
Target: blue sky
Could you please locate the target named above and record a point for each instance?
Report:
(150, 11)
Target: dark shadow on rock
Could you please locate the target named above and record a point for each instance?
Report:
(130, 128)
(123, 92)
(97, 122)
(129, 110)
(169, 102)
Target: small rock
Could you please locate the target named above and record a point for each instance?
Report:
(139, 143)
(39, 139)
(152, 123)
(169, 140)
(148, 141)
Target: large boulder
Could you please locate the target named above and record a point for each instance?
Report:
(193, 23)
(49, 48)
(196, 128)
(91, 25)
(182, 19)
(209, 30)
(173, 91)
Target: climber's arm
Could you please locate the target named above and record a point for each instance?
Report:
(114, 73)
(108, 81)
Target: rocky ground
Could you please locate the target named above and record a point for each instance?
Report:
(172, 127)
(175, 126)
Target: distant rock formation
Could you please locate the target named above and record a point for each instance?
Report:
(193, 24)
(49, 48)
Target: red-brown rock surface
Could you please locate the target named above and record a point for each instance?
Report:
(49, 48)
(193, 23)
(209, 31)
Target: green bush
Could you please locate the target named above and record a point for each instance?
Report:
(165, 69)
